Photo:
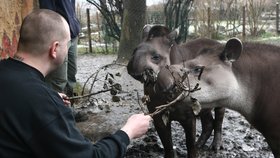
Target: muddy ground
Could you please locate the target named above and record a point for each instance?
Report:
(107, 114)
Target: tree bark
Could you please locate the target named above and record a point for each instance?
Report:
(131, 32)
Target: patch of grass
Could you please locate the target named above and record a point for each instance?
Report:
(96, 50)
(78, 89)
(267, 35)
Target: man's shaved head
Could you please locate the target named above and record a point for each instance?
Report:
(40, 29)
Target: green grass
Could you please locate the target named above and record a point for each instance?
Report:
(96, 50)
(78, 88)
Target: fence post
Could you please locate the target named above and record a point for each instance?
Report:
(98, 26)
(209, 22)
(89, 31)
(277, 18)
(244, 23)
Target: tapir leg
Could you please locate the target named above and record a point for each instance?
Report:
(219, 117)
(189, 126)
(274, 144)
(207, 122)
(164, 132)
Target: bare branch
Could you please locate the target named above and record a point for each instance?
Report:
(185, 90)
(88, 95)
(141, 105)
(161, 108)
(113, 87)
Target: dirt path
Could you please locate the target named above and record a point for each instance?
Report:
(240, 140)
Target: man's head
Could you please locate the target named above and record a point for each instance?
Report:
(45, 34)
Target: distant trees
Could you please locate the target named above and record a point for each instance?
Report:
(123, 20)
(224, 17)
(210, 18)
(255, 9)
(177, 16)
(112, 11)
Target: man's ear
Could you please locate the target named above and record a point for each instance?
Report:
(53, 49)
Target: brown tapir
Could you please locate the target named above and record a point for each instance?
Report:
(244, 78)
(157, 50)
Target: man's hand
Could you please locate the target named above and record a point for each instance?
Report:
(137, 125)
(65, 99)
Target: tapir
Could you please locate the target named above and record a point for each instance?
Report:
(240, 76)
(157, 50)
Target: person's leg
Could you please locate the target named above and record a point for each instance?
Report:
(71, 75)
(72, 67)
(58, 78)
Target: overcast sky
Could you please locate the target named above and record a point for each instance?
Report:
(151, 2)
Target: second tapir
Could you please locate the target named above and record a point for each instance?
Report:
(243, 77)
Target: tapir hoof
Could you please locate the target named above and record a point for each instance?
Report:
(204, 137)
(216, 145)
(201, 143)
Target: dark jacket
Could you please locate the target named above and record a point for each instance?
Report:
(34, 123)
(66, 8)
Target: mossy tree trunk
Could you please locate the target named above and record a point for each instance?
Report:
(131, 31)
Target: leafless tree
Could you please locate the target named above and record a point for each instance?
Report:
(214, 18)
(177, 13)
(255, 8)
(112, 10)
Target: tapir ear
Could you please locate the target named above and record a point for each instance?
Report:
(174, 34)
(145, 31)
(232, 50)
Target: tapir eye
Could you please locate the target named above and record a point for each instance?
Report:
(197, 70)
(156, 57)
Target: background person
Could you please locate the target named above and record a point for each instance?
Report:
(33, 119)
(63, 79)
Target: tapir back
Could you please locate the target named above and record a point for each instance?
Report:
(259, 70)
(243, 77)
(189, 50)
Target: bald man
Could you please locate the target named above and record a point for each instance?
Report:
(33, 119)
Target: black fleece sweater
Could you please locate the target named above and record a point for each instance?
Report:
(35, 123)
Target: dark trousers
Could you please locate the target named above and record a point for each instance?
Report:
(63, 79)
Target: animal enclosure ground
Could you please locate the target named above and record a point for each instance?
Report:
(240, 140)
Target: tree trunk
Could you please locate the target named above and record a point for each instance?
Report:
(131, 32)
